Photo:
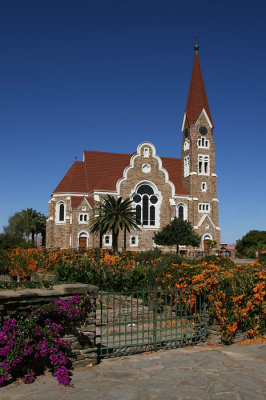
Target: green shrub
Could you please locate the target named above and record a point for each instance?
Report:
(4, 262)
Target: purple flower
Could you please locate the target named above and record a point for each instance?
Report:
(62, 376)
(39, 338)
(29, 377)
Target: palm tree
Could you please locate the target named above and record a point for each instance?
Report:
(41, 226)
(29, 217)
(113, 215)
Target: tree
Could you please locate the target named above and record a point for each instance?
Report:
(253, 240)
(29, 218)
(41, 226)
(113, 215)
(15, 226)
(26, 224)
(178, 232)
(8, 241)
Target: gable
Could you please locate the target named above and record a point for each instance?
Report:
(77, 200)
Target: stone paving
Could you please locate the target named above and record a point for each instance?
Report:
(235, 372)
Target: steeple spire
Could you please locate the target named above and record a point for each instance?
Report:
(197, 98)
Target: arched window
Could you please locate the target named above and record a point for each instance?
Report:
(203, 142)
(203, 165)
(60, 213)
(181, 211)
(146, 202)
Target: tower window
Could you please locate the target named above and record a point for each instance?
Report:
(186, 144)
(203, 165)
(146, 202)
(204, 187)
(186, 166)
(204, 207)
(203, 143)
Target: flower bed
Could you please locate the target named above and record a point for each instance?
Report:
(235, 293)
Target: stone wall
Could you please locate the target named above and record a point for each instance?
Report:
(82, 338)
(214, 335)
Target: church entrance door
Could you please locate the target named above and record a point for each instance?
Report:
(82, 243)
(206, 244)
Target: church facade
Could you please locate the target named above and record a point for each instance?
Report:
(160, 187)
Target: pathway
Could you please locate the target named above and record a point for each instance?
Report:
(235, 372)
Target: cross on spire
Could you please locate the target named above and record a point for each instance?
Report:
(196, 46)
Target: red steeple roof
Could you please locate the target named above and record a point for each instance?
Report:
(197, 98)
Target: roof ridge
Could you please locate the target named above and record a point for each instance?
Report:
(108, 152)
(170, 158)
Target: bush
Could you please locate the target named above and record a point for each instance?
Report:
(4, 262)
(235, 295)
(33, 342)
(262, 258)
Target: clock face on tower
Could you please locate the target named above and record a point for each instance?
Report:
(203, 130)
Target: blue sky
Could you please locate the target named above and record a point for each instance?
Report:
(106, 75)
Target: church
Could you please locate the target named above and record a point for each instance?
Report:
(161, 188)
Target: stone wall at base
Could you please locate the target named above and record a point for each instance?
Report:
(214, 335)
(82, 337)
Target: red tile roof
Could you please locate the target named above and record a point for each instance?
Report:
(174, 168)
(104, 169)
(101, 171)
(197, 98)
(75, 180)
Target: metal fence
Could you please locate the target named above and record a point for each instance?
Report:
(144, 320)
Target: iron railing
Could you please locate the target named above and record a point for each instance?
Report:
(144, 320)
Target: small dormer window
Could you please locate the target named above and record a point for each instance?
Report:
(83, 218)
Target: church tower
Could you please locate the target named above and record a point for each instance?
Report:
(198, 159)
